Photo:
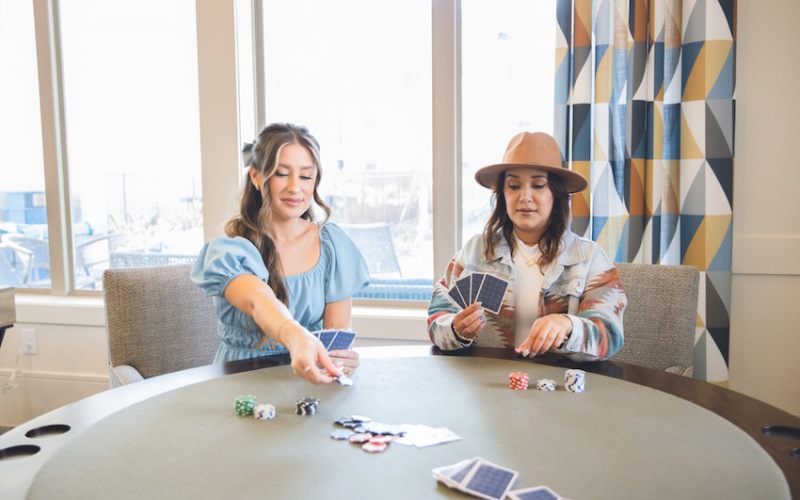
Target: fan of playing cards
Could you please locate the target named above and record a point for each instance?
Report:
(485, 288)
(335, 340)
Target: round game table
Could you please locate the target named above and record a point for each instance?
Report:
(179, 436)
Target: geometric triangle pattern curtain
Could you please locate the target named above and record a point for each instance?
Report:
(644, 109)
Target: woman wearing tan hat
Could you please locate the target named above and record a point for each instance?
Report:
(564, 293)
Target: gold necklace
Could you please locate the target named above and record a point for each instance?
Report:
(530, 260)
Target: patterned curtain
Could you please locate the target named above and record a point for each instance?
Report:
(645, 110)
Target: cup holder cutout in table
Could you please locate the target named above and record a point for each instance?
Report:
(48, 430)
(782, 432)
(21, 451)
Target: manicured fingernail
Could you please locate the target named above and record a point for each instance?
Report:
(526, 352)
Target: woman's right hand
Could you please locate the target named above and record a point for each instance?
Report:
(310, 360)
(469, 321)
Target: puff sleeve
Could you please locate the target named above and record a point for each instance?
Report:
(223, 259)
(347, 271)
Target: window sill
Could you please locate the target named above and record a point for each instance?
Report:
(383, 320)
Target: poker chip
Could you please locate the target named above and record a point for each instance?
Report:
(244, 405)
(371, 447)
(341, 434)
(518, 381)
(264, 411)
(575, 380)
(383, 438)
(307, 406)
(546, 384)
(360, 437)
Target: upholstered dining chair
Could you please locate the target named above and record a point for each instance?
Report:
(661, 316)
(157, 321)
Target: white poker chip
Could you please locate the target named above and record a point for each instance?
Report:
(546, 384)
(264, 411)
(575, 380)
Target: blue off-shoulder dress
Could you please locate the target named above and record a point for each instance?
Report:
(340, 273)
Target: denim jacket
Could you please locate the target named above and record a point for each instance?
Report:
(582, 283)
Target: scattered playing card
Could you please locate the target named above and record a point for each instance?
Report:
(488, 480)
(478, 477)
(535, 493)
(422, 436)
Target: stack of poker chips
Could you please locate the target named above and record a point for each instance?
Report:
(575, 380)
(264, 411)
(518, 381)
(245, 404)
(307, 406)
(546, 384)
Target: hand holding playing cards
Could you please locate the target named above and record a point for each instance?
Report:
(469, 321)
(548, 332)
(345, 359)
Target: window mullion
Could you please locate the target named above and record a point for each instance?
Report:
(51, 98)
(446, 71)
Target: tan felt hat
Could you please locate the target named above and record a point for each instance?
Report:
(532, 149)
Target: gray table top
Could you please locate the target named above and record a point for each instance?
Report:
(617, 439)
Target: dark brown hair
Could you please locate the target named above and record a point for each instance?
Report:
(550, 242)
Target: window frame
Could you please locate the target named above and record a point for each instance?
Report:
(220, 137)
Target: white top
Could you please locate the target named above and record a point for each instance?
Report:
(528, 286)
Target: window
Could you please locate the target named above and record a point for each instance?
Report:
(358, 75)
(131, 138)
(23, 210)
(379, 84)
(508, 64)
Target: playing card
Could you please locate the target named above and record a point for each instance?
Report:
(535, 493)
(422, 436)
(443, 474)
(477, 281)
(488, 480)
(491, 293)
(464, 286)
(457, 298)
(335, 340)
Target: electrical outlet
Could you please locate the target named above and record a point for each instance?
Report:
(29, 341)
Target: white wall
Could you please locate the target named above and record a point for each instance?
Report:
(765, 338)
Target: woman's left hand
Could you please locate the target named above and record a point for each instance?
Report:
(345, 360)
(548, 332)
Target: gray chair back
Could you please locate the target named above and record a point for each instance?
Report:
(158, 321)
(661, 316)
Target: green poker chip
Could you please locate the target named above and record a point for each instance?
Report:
(244, 405)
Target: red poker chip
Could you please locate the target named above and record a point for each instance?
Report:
(382, 439)
(518, 380)
(361, 437)
(371, 447)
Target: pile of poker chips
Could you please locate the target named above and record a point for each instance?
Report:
(575, 380)
(546, 384)
(264, 411)
(518, 381)
(373, 437)
(244, 405)
(307, 406)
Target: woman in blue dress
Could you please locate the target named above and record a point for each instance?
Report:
(278, 275)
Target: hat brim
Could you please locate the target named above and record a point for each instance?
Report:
(573, 181)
